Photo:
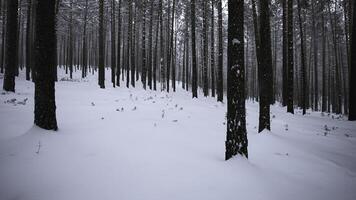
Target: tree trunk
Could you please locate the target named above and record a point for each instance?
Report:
(290, 108)
(212, 59)
(113, 43)
(352, 84)
(194, 54)
(302, 60)
(220, 81)
(236, 139)
(101, 45)
(265, 67)
(11, 50)
(45, 53)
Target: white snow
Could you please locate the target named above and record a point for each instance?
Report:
(131, 144)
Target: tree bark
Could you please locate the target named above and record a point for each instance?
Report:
(45, 58)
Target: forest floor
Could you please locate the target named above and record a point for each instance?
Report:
(132, 144)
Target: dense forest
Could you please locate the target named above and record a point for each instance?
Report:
(297, 53)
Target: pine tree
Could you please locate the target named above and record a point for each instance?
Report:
(285, 55)
(236, 139)
(113, 43)
(352, 101)
(220, 81)
(144, 67)
(290, 70)
(194, 54)
(45, 53)
(11, 50)
(212, 59)
(205, 50)
(118, 57)
(265, 67)
(302, 60)
(101, 45)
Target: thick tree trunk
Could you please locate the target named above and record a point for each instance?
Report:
(265, 67)
(11, 50)
(45, 55)
(236, 139)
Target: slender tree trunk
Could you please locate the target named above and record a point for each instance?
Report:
(302, 60)
(212, 59)
(205, 50)
(101, 45)
(194, 54)
(113, 43)
(220, 81)
(85, 67)
(352, 84)
(290, 108)
(118, 55)
(144, 67)
(28, 40)
(150, 43)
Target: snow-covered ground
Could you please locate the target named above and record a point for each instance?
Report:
(131, 144)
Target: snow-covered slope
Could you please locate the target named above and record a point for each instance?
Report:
(131, 144)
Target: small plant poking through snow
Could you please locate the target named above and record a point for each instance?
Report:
(38, 147)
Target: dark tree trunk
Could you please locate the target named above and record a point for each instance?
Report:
(352, 101)
(28, 40)
(324, 89)
(70, 53)
(118, 57)
(144, 67)
(220, 81)
(11, 50)
(265, 67)
(84, 62)
(194, 54)
(236, 139)
(302, 60)
(150, 43)
(290, 108)
(212, 59)
(132, 40)
(113, 44)
(3, 37)
(285, 55)
(205, 50)
(45, 58)
(315, 58)
(101, 45)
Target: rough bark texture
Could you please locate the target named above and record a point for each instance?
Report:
(265, 67)
(45, 61)
(236, 139)
(11, 50)
(290, 83)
